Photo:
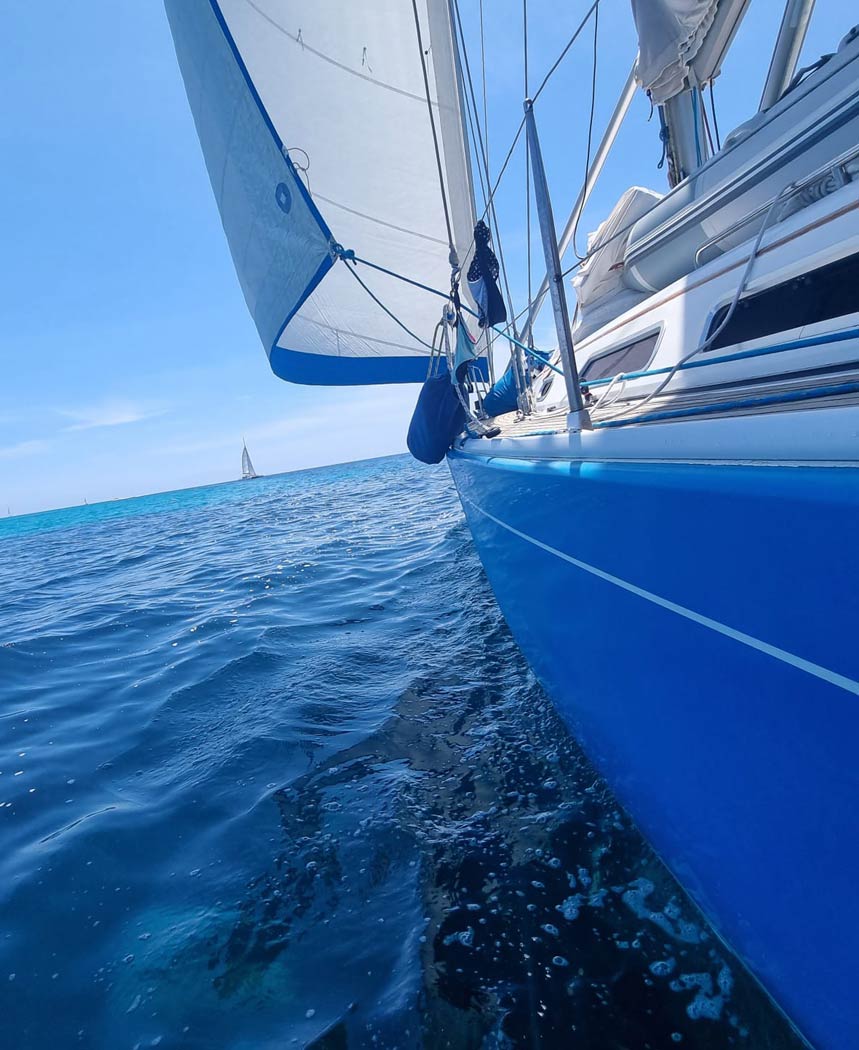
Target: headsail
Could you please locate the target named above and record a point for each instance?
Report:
(335, 90)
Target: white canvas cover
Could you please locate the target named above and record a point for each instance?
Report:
(278, 86)
(679, 37)
(601, 294)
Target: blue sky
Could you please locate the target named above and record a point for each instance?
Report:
(129, 362)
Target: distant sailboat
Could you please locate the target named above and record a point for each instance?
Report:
(248, 472)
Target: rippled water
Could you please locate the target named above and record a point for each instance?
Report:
(274, 773)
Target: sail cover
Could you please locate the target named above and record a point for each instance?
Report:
(311, 109)
(682, 42)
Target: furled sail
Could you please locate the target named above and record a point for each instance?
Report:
(305, 109)
(681, 43)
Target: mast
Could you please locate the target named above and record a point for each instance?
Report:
(791, 37)
(578, 418)
(686, 141)
(681, 48)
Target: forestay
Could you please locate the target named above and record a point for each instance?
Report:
(311, 109)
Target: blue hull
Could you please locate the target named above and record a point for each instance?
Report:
(696, 627)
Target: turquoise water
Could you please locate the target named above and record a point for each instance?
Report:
(273, 773)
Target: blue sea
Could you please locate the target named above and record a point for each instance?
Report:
(273, 773)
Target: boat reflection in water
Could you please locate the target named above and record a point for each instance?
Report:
(543, 914)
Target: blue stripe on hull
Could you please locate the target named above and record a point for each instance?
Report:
(695, 625)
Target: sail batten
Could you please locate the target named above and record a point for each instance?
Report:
(339, 87)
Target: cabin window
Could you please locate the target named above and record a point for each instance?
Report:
(819, 295)
(631, 357)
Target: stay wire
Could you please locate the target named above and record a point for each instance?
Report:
(483, 79)
(484, 154)
(489, 334)
(447, 221)
(713, 111)
(381, 305)
(527, 167)
(484, 187)
(567, 47)
(537, 94)
(706, 121)
(590, 126)
(494, 186)
(470, 98)
(351, 257)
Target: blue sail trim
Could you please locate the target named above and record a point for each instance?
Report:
(279, 241)
(323, 370)
(268, 122)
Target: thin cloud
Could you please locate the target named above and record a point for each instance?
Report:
(114, 413)
(24, 448)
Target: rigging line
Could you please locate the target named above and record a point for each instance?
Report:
(510, 152)
(470, 97)
(567, 47)
(527, 169)
(484, 152)
(521, 127)
(484, 188)
(380, 304)
(435, 139)
(351, 257)
(706, 121)
(713, 111)
(590, 127)
(483, 78)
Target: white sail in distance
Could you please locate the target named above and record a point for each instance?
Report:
(248, 471)
(306, 110)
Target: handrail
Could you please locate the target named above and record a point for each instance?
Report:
(830, 166)
(796, 344)
(729, 406)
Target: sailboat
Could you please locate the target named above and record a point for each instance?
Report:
(666, 502)
(248, 472)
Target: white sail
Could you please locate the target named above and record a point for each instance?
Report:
(337, 89)
(247, 467)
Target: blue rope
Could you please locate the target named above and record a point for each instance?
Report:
(725, 406)
(352, 257)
